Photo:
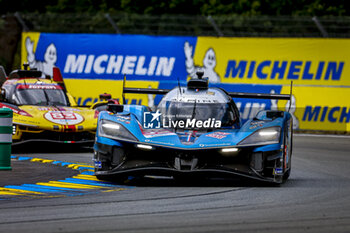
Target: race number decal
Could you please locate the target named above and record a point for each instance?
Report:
(63, 115)
(64, 118)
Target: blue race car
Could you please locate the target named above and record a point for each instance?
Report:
(195, 130)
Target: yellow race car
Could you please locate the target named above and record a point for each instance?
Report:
(43, 110)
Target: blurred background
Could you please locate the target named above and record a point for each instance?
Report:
(255, 46)
(219, 18)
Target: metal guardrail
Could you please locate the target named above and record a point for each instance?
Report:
(225, 25)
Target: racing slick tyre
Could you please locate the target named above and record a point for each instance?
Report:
(286, 175)
(287, 146)
(114, 160)
(111, 178)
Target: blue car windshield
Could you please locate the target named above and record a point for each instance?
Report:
(176, 111)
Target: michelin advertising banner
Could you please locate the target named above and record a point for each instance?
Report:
(92, 64)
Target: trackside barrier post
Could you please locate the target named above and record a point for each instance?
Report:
(5, 138)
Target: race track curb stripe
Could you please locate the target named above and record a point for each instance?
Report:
(83, 183)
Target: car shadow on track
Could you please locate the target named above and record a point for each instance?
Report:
(155, 181)
(38, 147)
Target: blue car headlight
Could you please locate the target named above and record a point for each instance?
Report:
(264, 136)
(110, 129)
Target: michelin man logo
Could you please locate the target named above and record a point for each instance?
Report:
(291, 110)
(209, 63)
(151, 103)
(50, 57)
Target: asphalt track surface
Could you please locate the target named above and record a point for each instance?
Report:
(316, 198)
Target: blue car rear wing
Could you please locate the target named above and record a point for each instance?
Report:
(232, 94)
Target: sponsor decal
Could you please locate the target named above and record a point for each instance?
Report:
(98, 164)
(46, 109)
(16, 111)
(214, 145)
(256, 124)
(119, 64)
(218, 135)
(325, 113)
(290, 70)
(40, 86)
(157, 133)
(64, 118)
(71, 109)
(163, 143)
(124, 119)
(278, 171)
(59, 108)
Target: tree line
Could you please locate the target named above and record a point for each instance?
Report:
(194, 7)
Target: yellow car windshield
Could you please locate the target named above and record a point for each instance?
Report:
(41, 97)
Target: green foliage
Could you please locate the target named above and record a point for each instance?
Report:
(185, 7)
(2, 24)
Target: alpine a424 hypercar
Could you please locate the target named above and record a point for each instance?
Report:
(43, 110)
(195, 130)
